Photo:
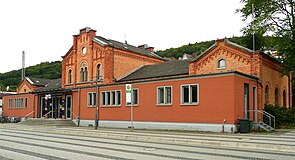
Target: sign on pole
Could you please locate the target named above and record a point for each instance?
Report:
(128, 93)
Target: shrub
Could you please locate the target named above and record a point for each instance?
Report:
(285, 118)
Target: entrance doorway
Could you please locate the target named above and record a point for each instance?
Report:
(68, 107)
(50, 107)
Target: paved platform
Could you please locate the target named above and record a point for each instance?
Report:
(40, 142)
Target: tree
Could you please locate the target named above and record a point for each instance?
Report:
(276, 18)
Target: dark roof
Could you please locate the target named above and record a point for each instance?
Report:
(171, 68)
(124, 46)
(38, 81)
(54, 84)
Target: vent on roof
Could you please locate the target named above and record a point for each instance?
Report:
(37, 81)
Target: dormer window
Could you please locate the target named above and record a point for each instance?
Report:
(99, 75)
(221, 64)
(70, 76)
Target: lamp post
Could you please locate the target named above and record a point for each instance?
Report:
(96, 100)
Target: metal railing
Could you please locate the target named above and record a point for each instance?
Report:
(43, 117)
(27, 115)
(265, 117)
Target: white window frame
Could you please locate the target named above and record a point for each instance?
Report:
(133, 104)
(93, 99)
(190, 94)
(106, 97)
(165, 96)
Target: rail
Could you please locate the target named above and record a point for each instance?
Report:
(270, 119)
(46, 114)
(27, 115)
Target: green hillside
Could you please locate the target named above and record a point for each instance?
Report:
(50, 70)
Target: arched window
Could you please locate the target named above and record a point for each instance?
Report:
(284, 99)
(221, 64)
(277, 96)
(82, 75)
(85, 74)
(70, 76)
(266, 94)
(99, 72)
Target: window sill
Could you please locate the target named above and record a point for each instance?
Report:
(189, 104)
(164, 105)
(91, 106)
(110, 106)
(69, 84)
(129, 105)
(221, 68)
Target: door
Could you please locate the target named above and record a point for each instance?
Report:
(246, 100)
(68, 107)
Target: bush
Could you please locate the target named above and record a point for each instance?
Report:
(285, 118)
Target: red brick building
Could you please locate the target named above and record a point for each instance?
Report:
(214, 90)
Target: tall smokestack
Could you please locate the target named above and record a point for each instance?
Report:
(23, 66)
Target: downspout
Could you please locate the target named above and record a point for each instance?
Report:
(113, 61)
(79, 106)
(289, 89)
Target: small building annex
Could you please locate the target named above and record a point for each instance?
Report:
(215, 89)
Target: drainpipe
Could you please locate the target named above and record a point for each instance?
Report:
(79, 106)
(289, 90)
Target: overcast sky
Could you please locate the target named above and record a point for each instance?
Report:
(44, 29)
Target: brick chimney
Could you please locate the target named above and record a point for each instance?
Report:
(146, 47)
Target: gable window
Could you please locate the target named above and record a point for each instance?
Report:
(190, 94)
(91, 99)
(82, 75)
(83, 72)
(164, 95)
(221, 64)
(10, 103)
(134, 97)
(111, 98)
(70, 76)
(99, 72)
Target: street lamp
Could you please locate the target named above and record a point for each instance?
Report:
(96, 100)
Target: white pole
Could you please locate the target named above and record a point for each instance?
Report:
(131, 109)
(253, 34)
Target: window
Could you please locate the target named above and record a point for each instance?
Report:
(266, 94)
(134, 97)
(70, 76)
(221, 64)
(83, 72)
(91, 99)
(26, 102)
(18, 102)
(81, 75)
(99, 72)
(284, 99)
(276, 96)
(164, 95)
(10, 103)
(190, 94)
(111, 98)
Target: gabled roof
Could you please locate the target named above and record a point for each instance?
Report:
(226, 42)
(38, 81)
(171, 68)
(54, 84)
(124, 46)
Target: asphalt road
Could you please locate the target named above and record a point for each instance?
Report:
(40, 142)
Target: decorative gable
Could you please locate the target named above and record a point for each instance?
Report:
(221, 57)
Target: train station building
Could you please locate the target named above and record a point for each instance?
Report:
(210, 92)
